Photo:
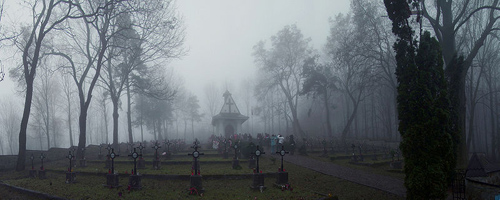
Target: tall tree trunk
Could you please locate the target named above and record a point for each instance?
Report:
(160, 137)
(492, 119)
(456, 73)
(21, 157)
(69, 123)
(106, 122)
(129, 114)
(115, 122)
(327, 113)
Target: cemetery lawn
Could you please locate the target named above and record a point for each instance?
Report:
(381, 166)
(306, 184)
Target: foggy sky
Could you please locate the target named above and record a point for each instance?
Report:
(221, 35)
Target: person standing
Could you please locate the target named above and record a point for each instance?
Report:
(273, 143)
(281, 141)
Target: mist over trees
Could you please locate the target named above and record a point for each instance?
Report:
(94, 72)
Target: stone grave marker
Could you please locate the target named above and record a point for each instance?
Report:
(195, 178)
(134, 181)
(236, 161)
(83, 161)
(33, 171)
(41, 173)
(282, 178)
(142, 163)
(70, 175)
(156, 160)
(258, 176)
(112, 177)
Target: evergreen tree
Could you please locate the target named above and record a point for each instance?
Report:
(423, 108)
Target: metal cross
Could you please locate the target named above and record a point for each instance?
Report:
(109, 149)
(168, 143)
(195, 155)
(141, 148)
(282, 154)
(42, 157)
(235, 151)
(156, 147)
(257, 154)
(70, 157)
(113, 156)
(135, 155)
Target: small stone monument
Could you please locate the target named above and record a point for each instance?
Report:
(236, 162)
(134, 181)
(83, 161)
(111, 177)
(258, 176)
(156, 160)
(70, 175)
(41, 173)
(108, 158)
(196, 177)
(141, 163)
(282, 179)
(32, 170)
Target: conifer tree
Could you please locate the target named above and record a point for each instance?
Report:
(423, 109)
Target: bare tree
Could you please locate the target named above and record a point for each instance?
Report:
(282, 64)
(47, 16)
(448, 18)
(352, 68)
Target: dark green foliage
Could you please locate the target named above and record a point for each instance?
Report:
(423, 109)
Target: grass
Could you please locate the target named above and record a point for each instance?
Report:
(306, 184)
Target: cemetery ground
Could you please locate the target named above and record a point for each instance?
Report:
(171, 181)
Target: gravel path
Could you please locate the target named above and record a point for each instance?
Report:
(381, 182)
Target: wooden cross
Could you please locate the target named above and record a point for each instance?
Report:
(195, 155)
(135, 155)
(257, 154)
(113, 156)
(282, 154)
(70, 157)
